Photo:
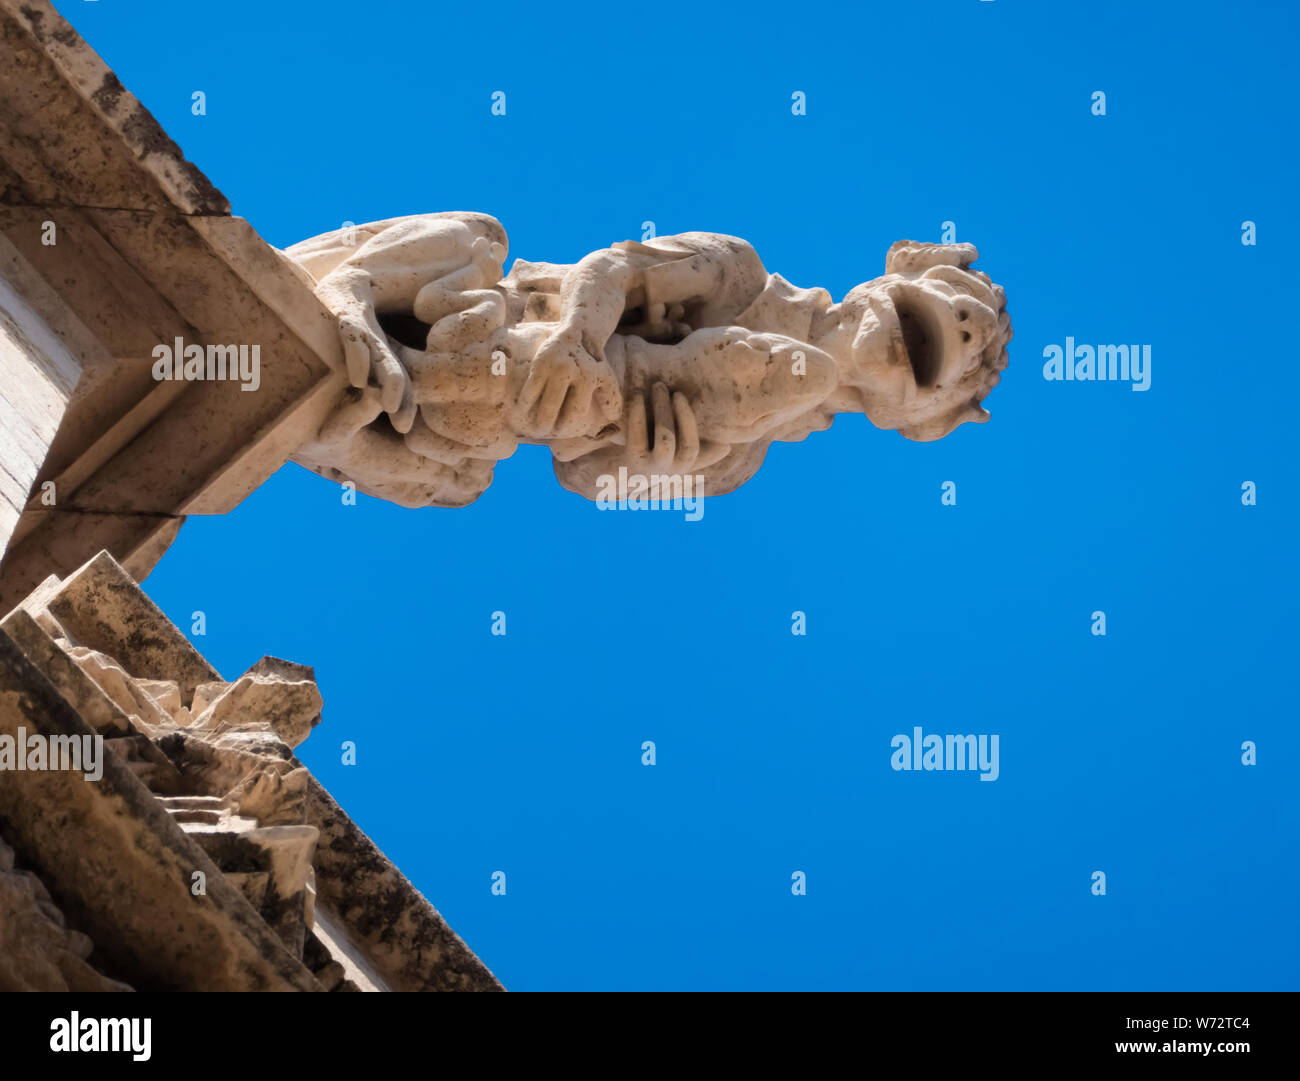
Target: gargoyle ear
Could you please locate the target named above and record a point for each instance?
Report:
(916, 257)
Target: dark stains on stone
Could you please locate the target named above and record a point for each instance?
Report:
(174, 746)
(34, 18)
(109, 93)
(417, 950)
(146, 136)
(142, 134)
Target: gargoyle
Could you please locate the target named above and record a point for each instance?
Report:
(680, 355)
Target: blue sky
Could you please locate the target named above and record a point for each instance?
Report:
(523, 754)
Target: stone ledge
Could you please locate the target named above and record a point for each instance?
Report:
(205, 766)
(144, 251)
(82, 138)
(121, 869)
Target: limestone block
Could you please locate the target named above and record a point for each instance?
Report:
(103, 609)
(165, 694)
(205, 694)
(93, 704)
(270, 864)
(128, 695)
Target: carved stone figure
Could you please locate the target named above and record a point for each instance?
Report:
(681, 355)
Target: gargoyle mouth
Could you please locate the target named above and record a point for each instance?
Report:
(922, 344)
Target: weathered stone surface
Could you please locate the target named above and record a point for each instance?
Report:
(281, 695)
(205, 694)
(121, 869)
(128, 695)
(38, 952)
(211, 787)
(217, 765)
(273, 795)
(165, 696)
(143, 758)
(103, 609)
(52, 135)
(271, 865)
(402, 935)
(331, 955)
(93, 704)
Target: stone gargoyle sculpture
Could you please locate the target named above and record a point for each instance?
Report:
(678, 356)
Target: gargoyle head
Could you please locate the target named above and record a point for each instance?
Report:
(924, 344)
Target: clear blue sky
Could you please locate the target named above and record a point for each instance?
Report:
(522, 754)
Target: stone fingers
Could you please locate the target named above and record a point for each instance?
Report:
(638, 447)
(392, 377)
(367, 356)
(665, 436)
(356, 350)
(404, 419)
(573, 413)
(688, 433)
(606, 394)
(558, 382)
(534, 386)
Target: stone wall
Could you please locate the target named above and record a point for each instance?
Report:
(37, 377)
